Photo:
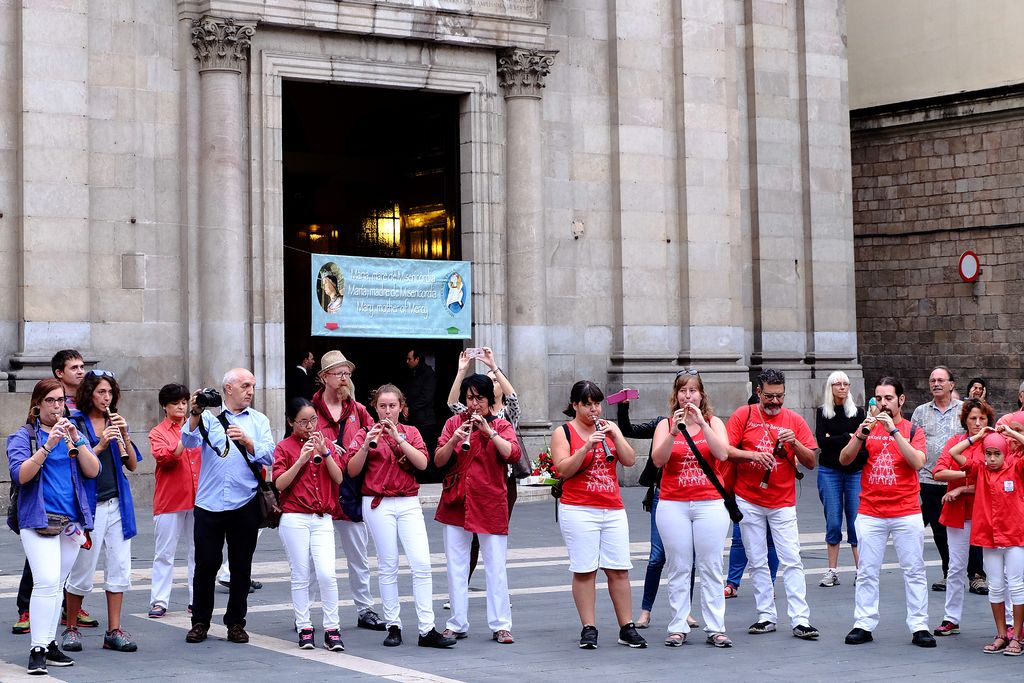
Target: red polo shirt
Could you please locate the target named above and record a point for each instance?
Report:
(177, 476)
(312, 490)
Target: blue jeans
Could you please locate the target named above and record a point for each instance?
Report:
(656, 561)
(738, 557)
(839, 493)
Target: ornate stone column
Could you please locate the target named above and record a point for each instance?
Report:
(521, 75)
(222, 47)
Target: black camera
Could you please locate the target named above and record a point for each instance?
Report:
(208, 398)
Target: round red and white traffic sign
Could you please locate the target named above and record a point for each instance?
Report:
(969, 267)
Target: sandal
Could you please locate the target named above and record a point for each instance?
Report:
(996, 646)
(719, 640)
(1013, 649)
(642, 622)
(731, 591)
(692, 623)
(675, 640)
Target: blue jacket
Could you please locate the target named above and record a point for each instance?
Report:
(31, 507)
(124, 490)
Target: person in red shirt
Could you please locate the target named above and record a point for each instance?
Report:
(691, 516)
(387, 454)
(593, 522)
(307, 472)
(475, 501)
(339, 417)
(174, 497)
(998, 527)
(890, 505)
(766, 441)
(957, 504)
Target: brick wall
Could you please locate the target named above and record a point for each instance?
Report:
(923, 194)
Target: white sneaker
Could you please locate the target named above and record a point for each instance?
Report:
(831, 578)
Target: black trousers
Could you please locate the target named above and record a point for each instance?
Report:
(240, 529)
(25, 588)
(931, 508)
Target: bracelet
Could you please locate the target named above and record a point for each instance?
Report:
(969, 442)
(80, 443)
(402, 438)
(859, 437)
(494, 434)
(893, 432)
(47, 450)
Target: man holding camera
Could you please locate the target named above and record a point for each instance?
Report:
(766, 441)
(889, 506)
(226, 506)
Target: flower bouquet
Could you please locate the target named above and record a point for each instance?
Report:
(542, 472)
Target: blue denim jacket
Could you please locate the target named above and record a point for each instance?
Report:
(31, 506)
(124, 491)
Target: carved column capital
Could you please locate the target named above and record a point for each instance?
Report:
(521, 73)
(221, 44)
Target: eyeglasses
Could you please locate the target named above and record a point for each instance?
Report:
(774, 397)
(340, 373)
(688, 371)
(840, 384)
(54, 401)
(308, 422)
(100, 373)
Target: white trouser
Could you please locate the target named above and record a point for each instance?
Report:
(50, 558)
(694, 526)
(1005, 570)
(354, 539)
(304, 536)
(956, 575)
(754, 530)
(224, 573)
(493, 548)
(908, 539)
(167, 528)
(107, 534)
(401, 518)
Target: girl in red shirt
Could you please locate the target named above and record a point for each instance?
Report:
(958, 504)
(307, 472)
(593, 521)
(691, 514)
(475, 500)
(389, 453)
(998, 528)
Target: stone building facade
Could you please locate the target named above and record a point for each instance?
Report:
(645, 184)
(931, 180)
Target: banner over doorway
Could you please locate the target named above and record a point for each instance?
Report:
(354, 296)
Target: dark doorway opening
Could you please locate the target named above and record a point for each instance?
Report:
(368, 172)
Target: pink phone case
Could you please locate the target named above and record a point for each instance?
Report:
(620, 396)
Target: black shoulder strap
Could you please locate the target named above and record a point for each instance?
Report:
(913, 430)
(206, 439)
(257, 471)
(704, 465)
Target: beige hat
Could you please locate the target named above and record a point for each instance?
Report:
(333, 359)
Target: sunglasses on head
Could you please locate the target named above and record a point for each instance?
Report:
(688, 371)
(100, 373)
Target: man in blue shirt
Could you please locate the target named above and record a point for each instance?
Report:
(226, 506)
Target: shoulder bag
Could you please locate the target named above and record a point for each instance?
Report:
(728, 498)
(266, 495)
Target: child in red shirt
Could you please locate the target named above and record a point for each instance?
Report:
(998, 527)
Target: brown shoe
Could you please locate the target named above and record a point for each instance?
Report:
(237, 634)
(457, 635)
(503, 637)
(197, 633)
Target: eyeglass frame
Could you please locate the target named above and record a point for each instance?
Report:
(307, 422)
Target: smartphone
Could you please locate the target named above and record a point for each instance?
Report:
(624, 395)
(474, 352)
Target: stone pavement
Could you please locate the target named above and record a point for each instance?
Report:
(545, 625)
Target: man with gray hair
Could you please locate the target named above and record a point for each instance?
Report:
(766, 441)
(226, 508)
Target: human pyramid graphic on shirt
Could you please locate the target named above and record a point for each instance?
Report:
(765, 445)
(883, 471)
(691, 474)
(601, 475)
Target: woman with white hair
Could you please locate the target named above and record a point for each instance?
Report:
(835, 421)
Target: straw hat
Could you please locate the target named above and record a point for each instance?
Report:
(333, 359)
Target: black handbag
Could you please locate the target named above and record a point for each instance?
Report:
(350, 490)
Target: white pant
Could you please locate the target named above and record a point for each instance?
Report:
(50, 558)
(1005, 570)
(754, 530)
(908, 539)
(167, 528)
(956, 575)
(354, 539)
(686, 527)
(401, 518)
(224, 573)
(107, 534)
(305, 535)
(493, 548)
